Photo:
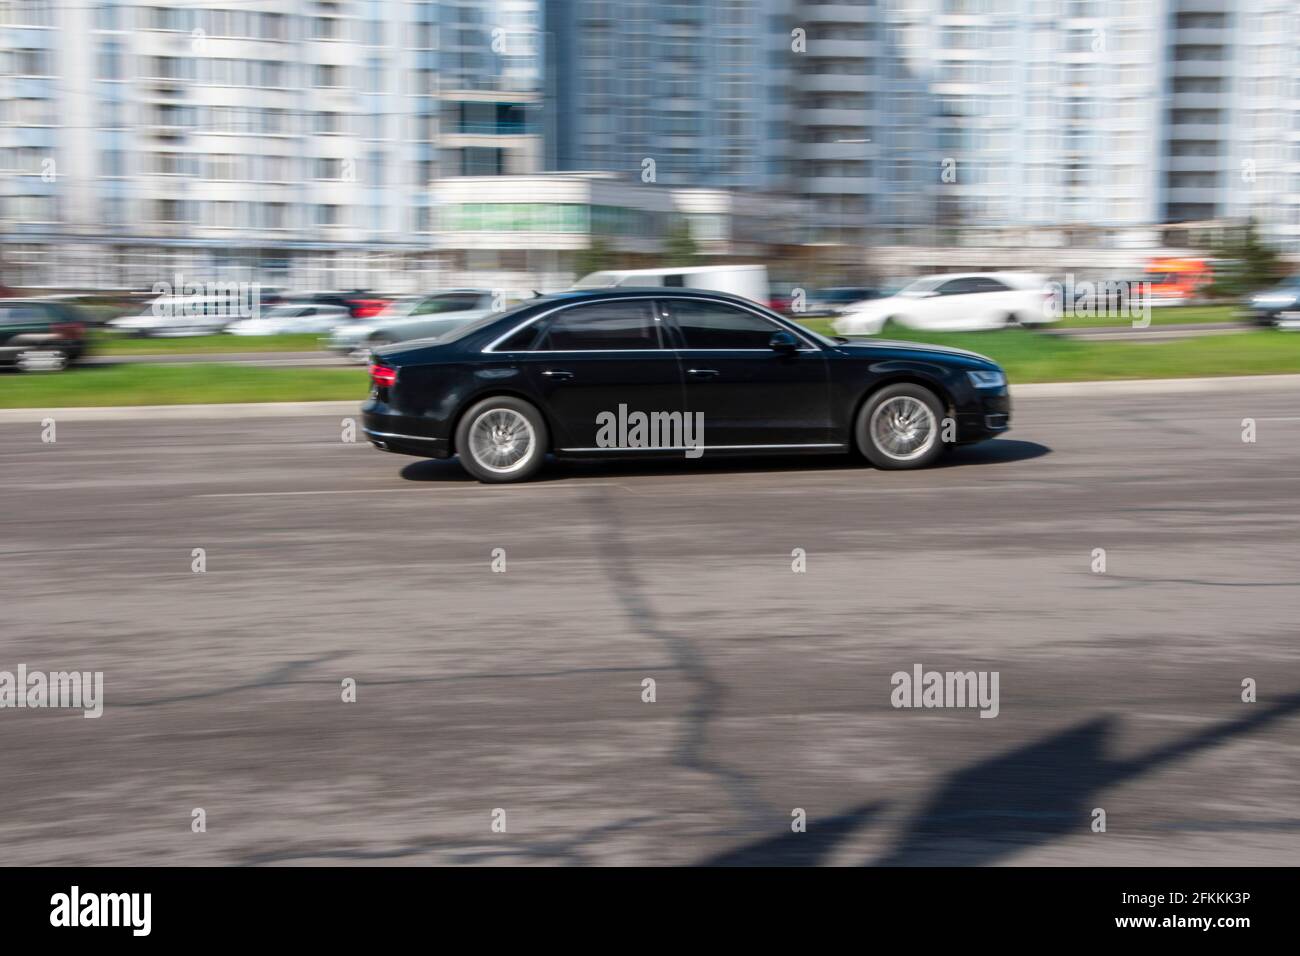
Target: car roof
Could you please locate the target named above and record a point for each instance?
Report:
(980, 275)
(683, 270)
(637, 292)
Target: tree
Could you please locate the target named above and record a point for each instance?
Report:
(679, 245)
(597, 257)
(1246, 265)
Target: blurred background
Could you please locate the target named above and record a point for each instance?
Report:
(185, 183)
(405, 147)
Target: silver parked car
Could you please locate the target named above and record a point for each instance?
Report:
(417, 317)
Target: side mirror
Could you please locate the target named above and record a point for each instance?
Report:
(783, 342)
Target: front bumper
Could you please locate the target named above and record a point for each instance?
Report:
(988, 415)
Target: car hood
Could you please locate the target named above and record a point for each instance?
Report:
(878, 346)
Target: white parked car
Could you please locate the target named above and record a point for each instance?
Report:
(171, 315)
(956, 303)
(289, 317)
(415, 317)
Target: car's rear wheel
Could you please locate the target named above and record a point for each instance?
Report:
(502, 439)
(900, 427)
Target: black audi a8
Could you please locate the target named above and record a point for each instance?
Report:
(678, 372)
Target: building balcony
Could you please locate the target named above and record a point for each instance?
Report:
(1184, 195)
(862, 118)
(1194, 164)
(838, 82)
(1204, 132)
(836, 13)
(843, 49)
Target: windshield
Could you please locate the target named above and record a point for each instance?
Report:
(921, 286)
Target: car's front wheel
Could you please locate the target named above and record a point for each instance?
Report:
(502, 439)
(900, 426)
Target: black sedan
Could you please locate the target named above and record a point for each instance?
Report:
(623, 372)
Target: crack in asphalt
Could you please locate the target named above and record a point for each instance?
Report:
(274, 680)
(573, 850)
(706, 702)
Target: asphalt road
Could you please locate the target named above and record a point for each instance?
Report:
(522, 690)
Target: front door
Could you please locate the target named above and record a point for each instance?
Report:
(597, 364)
(750, 394)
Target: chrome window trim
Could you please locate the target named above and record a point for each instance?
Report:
(490, 348)
(396, 435)
(706, 446)
(813, 346)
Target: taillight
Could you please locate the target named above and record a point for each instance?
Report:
(68, 330)
(383, 376)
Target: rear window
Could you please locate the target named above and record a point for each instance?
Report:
(603, 326)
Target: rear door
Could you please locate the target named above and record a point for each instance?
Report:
(751, 395)
(597, 359)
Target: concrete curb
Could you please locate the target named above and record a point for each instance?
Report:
(112, 413)
(1154, 386)
(1158, 386)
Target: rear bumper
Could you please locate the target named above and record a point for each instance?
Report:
(401, 434)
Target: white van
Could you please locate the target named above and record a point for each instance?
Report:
(747, 281)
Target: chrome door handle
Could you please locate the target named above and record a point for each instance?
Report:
(557, 373)
(703, 372)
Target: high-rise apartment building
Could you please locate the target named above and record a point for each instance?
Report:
(282, 141)
(681, 92)
(1232, 126)
(899, 117)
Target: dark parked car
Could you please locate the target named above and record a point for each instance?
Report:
(832, 301)
(36, 334)
(360, 305)
(621, 372)
(1278, 305)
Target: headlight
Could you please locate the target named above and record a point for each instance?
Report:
(987, 379)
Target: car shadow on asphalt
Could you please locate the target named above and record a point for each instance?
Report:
(999, 451)
(1015, 801)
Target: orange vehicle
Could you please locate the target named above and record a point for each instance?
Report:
(1177, 281)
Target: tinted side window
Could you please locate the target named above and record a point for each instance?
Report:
(958, 287)
(521, 341)
(714, 325)
(986, 284)
(603, 326)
